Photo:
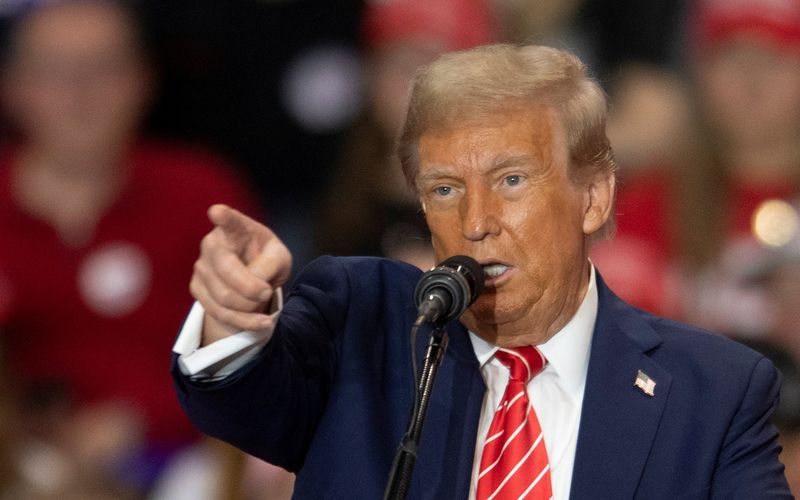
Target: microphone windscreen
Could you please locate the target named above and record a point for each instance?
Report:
(445, 292)
(471, 269)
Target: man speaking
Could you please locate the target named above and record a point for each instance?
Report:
(551, 386)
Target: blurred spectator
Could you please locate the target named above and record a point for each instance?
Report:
(214, 470)
(98, 232)
(699, 215)
(10, 480)
(650, 115)
(647, 125)
(379, 214)
(544, 21)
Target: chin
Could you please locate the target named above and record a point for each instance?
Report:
(487, 311)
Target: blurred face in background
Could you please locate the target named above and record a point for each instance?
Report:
(403, 35)
(392, 67)
(750, 89)
(76, 84)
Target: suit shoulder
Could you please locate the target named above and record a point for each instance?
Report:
(701, 355)
(362, 272)
(691, 338)
(683, 348)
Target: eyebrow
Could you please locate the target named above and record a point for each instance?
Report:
(502, 161)
(497, 163)
(435, 173)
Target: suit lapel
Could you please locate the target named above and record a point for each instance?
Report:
(618, 421)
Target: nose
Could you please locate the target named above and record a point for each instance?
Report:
(478, 215)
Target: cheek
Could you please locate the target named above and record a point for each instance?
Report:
(37, 108)
(720, 87)
(548, 214)
(37, 100)
(549, 235)
(108, 102)
(445, 235)
(783, 93)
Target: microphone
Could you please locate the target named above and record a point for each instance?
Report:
(445, 292)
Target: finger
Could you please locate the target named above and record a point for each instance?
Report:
(232, 319)
(253, 241)
(237, 228)
(248, 297)
(234, 274)
(273, 263)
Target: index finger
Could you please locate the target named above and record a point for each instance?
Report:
(244, 235)
(263, 254)
(237, 227)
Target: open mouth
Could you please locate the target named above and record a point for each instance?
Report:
(494, 270)
(495, 273)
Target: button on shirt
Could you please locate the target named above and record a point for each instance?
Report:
(556, 393)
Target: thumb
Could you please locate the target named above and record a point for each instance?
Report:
(273, 263)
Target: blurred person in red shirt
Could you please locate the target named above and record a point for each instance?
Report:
(98, 232)
(690, 230)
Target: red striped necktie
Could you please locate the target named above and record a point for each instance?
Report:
(514, 462)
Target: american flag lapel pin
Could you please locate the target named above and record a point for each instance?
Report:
(645, 383)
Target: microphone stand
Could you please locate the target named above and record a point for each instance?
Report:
(404, 460)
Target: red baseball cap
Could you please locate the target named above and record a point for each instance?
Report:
(456, 24)
(713, 21)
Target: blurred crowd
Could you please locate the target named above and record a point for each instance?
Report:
(121, 122)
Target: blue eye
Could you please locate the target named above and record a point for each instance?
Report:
(512, 180)
(443, 190)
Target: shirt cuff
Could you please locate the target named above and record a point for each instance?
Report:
(223, 357)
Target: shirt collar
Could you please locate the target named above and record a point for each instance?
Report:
(567, 351)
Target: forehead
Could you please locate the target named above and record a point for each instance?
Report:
(78, 27)
(532, 133)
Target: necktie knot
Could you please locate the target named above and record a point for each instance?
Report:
(522, 362)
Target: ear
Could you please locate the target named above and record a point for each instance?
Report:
(598, 202)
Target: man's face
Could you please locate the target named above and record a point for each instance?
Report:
(500, 192)
(76, 81)
(750, 89)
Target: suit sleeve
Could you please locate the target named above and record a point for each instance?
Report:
(748, 465)
(270, 408)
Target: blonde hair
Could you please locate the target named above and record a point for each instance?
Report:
(475, 84)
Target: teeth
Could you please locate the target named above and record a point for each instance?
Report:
(494, 270)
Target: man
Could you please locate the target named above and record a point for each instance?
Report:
(98, 231)
(507, 151)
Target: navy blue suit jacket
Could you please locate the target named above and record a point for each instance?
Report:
(330, 395)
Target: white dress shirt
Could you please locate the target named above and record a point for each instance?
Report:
(556, 393)
(223, 357)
